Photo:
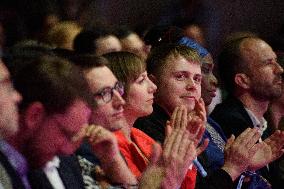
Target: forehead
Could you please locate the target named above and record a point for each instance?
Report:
(99, 78)
(253, 50)
(180, 64)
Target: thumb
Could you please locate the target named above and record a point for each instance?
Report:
(230, 141)
(156, 153)
(168, 128)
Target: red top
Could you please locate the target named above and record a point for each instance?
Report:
(138, 153)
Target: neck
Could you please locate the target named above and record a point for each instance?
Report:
(257, 107)
(130, 119)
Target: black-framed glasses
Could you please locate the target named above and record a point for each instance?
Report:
(106, 94)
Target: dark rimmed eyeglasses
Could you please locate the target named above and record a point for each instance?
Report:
(106, 94)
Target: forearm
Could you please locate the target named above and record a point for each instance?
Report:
(117, 171)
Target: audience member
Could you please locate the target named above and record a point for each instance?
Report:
(62, 34)
(252, 77)
(13, 168)
(131, 42)
(50, 117)
(96, 41)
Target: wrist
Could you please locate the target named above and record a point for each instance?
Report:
(232, 171)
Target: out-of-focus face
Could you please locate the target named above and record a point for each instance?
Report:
(134, 44)
(209, 81)
(54, 135)
(263, 70)
(108, 44)
(110, 114)
(140, 97)
(179, 84)
(9, 98)
(195, 32)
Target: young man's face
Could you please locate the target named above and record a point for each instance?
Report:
(179, 84)
(9, 98)
(107, 114)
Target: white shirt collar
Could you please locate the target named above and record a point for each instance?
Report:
(261, 124)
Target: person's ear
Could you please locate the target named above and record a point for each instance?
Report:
(34, 115)
(153, 78)
(242, 80)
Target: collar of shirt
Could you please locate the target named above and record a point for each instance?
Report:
(54, 163)
(261, 124)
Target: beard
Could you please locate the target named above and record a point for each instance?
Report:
(266, 91)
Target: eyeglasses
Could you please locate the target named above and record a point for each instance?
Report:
(106, 94)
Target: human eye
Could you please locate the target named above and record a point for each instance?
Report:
(180, 76)
(141, 79)
(197, 78)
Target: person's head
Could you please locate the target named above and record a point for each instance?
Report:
(192, 29)
(248, 65)
(62, 34)
(209, 81)
(139, 89)
(55, 107)
(176, 71)
(9, 99)
(107, 92)
(160, 35)
(97, 41)
(131, 42)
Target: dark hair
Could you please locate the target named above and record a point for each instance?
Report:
(54, 82)
(85, 41)
(123, 32)
(88, 61)
(230, 60)
(161, 55)
(163, 34)
(22, 52)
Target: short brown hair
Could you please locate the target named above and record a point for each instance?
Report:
(125, 66)
(161, 55)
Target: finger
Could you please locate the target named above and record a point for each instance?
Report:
(190, 155)
(173, 117)
(168, 128)
(202, 147)
(200, 132)
(200, 109)
(177, 142)
(178, 120)
(240, 139)
(80, 135)
(253, 137)
(184, 121)
(169, 142)
(229, 143)
(184, 144)
(156, 153)
(90, 129)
